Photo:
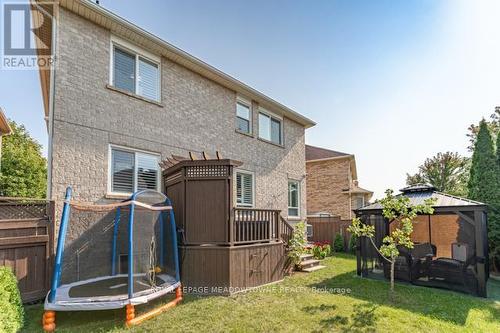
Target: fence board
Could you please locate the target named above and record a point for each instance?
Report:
(326, 228)
(27, 243)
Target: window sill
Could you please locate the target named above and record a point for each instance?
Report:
(270, 142)
(294, 218)
(250, 135)
(144, 99)
(117, 195)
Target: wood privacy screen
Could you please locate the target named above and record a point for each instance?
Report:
(26, 243)
(326, 228)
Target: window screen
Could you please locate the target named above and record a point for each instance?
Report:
(124, 70)
(147, 172)
(147, 84)
(244, 189)
(293, 198)
(243, 117)
(122, 171)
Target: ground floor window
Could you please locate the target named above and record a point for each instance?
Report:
(244, 189)
(132, 170)
(293, 198)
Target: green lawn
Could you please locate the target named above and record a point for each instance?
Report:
(306, 303)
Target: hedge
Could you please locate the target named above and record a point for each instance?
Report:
(11, 307)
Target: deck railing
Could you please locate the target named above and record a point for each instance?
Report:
(286, 230)
(252, 225)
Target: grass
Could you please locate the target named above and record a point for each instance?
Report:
(306, 303)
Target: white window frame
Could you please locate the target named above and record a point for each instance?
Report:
(236, 189)
(247, 103)
(298, 198)
(138, 53)
(135, 151)
(362, 200)
(275, 117)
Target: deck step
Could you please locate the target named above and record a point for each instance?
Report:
(306, 257)
(309, 263)
(313, 268)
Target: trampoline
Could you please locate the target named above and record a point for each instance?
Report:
(114, 255)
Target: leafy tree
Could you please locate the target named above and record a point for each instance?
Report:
(484, 186)
(394, 208)
(493, 125)
(23, 168)
(447, 172)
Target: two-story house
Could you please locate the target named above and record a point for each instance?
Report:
(332, 183)
(119, 100)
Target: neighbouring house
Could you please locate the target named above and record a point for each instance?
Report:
(332, 184)
(120, 100)
(4, 130)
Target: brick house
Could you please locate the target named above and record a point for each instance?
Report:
(332, 183)
(119, 100)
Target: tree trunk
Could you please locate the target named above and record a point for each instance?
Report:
(392, 280)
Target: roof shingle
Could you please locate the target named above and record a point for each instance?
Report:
(317, 153)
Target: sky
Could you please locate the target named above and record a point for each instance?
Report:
(392, 82)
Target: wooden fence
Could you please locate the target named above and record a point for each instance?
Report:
(27, 243)
(326, 228)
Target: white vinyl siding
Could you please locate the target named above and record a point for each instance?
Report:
(131, 171)
(270, 128)
(244, 189)
(135, 73)
(293, 198)
(243, 117)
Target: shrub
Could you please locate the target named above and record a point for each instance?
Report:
(321, 249)
(297, 244)
(11, 307)
(352, 243)
(338, 243)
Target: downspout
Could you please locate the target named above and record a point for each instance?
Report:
(52, 101)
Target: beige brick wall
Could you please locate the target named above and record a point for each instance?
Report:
(325, 182)
(197, 114)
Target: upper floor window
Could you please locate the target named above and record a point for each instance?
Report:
(244, 116)
(244, 189)
(360, 202)
(293, 198)
(270, 128)
(132, 170)
(135, 73)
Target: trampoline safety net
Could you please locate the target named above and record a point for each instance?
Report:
(118, 251)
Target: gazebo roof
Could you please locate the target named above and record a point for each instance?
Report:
(420, 192)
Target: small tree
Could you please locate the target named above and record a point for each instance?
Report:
(297, 244)
(394, 208)
(23, 168)
(338, 243)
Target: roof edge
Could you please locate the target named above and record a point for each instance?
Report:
(5, 128)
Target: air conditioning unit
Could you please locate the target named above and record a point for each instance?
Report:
(309, 229)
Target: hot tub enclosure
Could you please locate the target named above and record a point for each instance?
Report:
(451, 246)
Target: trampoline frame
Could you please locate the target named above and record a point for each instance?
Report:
(128, 300)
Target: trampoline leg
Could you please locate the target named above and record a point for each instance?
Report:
(130, 314)
(153, 313)
(49, 321)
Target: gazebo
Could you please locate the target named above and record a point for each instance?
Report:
(451, 246)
